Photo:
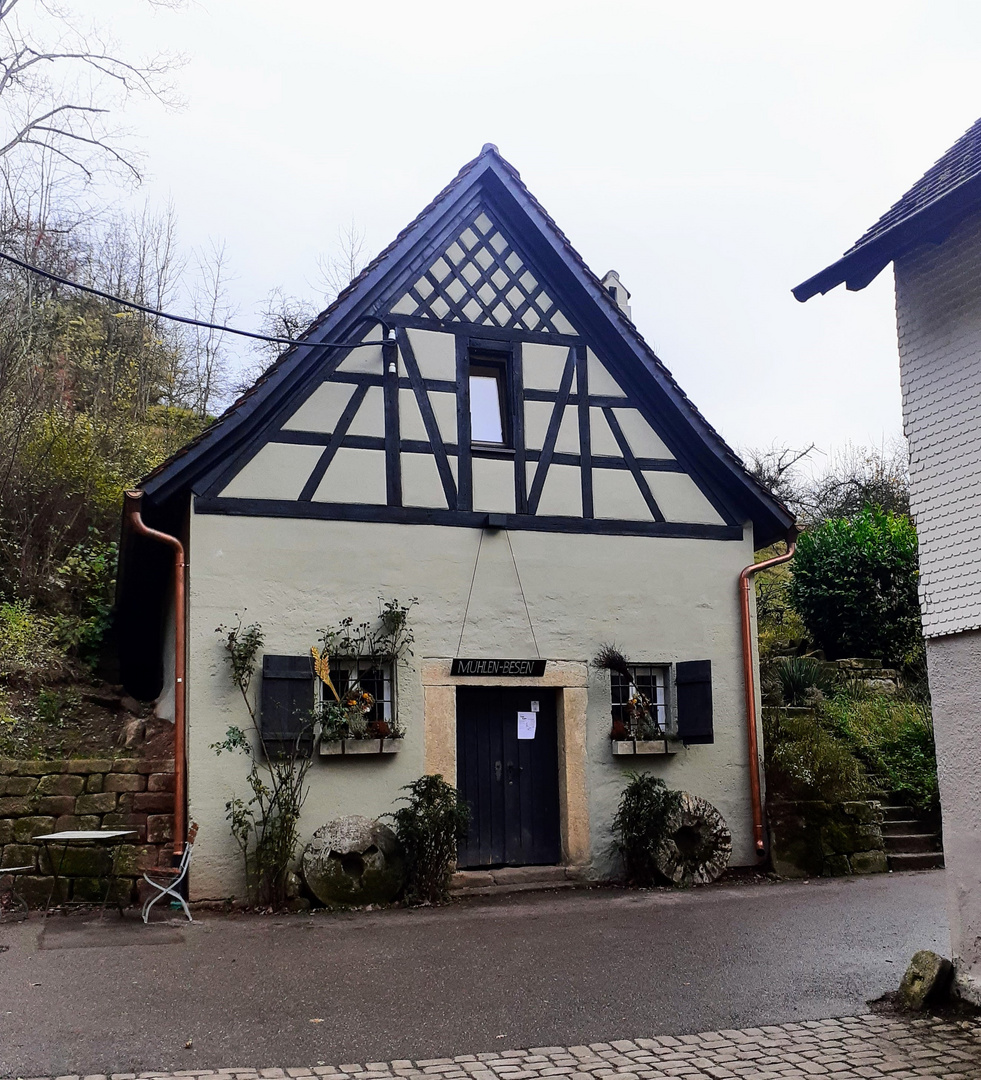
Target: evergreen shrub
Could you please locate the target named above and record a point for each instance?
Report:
(854, 585)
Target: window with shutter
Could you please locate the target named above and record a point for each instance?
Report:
(286, 710)
(693, 682)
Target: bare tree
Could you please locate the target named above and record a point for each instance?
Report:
(851, 478)
(337, 271)
(61, 86)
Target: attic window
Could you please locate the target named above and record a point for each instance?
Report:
(488, 399)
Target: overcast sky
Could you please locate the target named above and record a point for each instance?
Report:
(715, 154)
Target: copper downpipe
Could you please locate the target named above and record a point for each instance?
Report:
(745, 579)
(133, 499)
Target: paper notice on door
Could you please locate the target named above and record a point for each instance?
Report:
(526, 725)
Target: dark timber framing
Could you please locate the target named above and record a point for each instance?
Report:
(554, 423)
(410, 515)
(489, 185)
(428, 417)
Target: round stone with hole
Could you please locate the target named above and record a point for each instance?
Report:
(354, 861)
(697, 843)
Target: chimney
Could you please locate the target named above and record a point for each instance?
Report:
(620, 295)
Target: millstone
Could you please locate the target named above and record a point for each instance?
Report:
(696, 845)
(354, 860)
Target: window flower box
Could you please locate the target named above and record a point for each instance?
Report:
(643, 746)
(344, 747)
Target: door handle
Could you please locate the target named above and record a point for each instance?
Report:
(497, 771)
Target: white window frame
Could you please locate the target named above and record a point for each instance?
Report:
(652, 677)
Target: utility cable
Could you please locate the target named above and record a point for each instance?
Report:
(182, 318)
(469, 594)
(521, 589)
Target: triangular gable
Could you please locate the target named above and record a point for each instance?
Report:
(482, 255)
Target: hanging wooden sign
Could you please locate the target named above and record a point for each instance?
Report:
(506, 669)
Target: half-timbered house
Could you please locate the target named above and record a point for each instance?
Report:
(475, 422)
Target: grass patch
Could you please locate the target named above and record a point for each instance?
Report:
(893, 738)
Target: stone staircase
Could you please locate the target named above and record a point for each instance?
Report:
(912, 839)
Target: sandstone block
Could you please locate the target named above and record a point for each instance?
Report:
(80, 861)
(153, 802)
(160, 782)
(125, 765)
(157, 765)
(160, 828)
(26, 828)
(6, 831)
(837, 866)
(126, 821)
(865, 813)
(133, 859)
(86, 766)
(77, 821)
(60, 784)
(91, 890)
(102, 803)
(926, 981)
(35, 889)
(37, 768)
(55, 804)
(869, 862)
(19, 855)
(17, 785)
(15, 806)
(124, 782)
(93, 783)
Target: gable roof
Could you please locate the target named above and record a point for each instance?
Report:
(487, 176)
(944, 195)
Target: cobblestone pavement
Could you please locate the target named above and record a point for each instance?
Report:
(848, 1048)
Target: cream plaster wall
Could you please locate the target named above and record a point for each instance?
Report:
(278, 471)
(662, 600)
(953, 663)
(680, 499)
(322, 409)
(600, 380)
(435, 354)
(542, 366)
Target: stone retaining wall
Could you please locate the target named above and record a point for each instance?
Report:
(819, 839)
(39, 797)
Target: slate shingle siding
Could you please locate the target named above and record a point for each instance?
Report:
(938, 306)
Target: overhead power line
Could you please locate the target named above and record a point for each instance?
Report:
(180, 318)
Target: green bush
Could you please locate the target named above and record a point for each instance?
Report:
(428, 827)
(29, 647)
(638, 826)
(893, 738)
(805, 760)
(854, 585)
(800, 677)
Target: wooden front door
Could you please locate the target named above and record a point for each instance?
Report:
(511, 785)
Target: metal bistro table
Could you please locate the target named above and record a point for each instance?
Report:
(109, 837)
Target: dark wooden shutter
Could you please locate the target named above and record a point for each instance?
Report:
(693, 679)
(287, 703)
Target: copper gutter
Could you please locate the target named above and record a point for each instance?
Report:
(749, 674)
(132, 514)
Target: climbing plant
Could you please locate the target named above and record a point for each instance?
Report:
(266, 825)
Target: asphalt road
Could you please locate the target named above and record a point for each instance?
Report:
(559, 968)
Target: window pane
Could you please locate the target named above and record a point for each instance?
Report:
(486, 424)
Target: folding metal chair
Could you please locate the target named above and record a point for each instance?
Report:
(169, 880)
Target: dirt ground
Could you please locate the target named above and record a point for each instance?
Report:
(79, 717)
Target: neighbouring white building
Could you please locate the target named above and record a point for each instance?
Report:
(475, 422)
(933, 238)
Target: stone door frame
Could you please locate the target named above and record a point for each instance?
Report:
(569, 679)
